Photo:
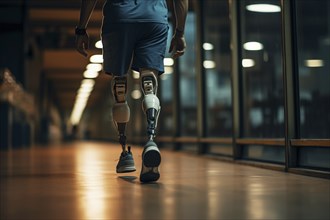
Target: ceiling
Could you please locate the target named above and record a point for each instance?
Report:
(51, 24)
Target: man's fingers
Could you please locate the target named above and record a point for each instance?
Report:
(178, 53)
(177, 47)
(82, 45)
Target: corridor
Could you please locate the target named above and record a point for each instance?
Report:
(78, 181)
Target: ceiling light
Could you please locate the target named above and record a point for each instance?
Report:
(208, 46)
(97, 58)
(136, 74)
(253, 45)
(168, 69)
(87, 83)
(164, 76)
(85, 89)
(76, 116)
(90, 74)
(77, 111)
(136, 94)
(264, 8)
(94, 66)
(314, 63)
(81, 100)
(98, 44)
(81, 96)
(209, 64)
(168, 62)
(248, 63)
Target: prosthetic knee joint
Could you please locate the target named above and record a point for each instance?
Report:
(120, 110)
(150, 104)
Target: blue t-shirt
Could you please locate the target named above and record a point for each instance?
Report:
(133, 11)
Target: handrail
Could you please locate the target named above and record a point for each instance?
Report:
(310, 142)
(248, 141)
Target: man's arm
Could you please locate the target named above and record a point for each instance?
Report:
(178, 43)
(180, 10)
(87, 7)
(82, 39)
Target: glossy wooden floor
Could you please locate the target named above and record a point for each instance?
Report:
(78, 181)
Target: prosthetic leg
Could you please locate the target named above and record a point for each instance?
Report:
(151, 156)
(121, 115)
(150, 104)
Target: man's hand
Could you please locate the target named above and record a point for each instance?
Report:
(178, 45)
(82, 44)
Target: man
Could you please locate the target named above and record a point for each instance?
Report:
(134, 35)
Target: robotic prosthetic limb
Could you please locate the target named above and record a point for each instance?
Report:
(151, 157)
(121, 114)
(120, 110)
(150, 104)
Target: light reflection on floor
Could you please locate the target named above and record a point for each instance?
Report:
(90, 183)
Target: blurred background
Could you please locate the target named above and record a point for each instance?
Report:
(254, 84)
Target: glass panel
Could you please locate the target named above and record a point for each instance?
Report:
(315, 157)
(188, 96)
(217, 68)
(313, 36)
(262, 70)
(221, 149)
(264, 153)
(166, 121)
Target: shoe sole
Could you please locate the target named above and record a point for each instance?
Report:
(126, 169)
(150, 162)
(149, 175)
(151, 157)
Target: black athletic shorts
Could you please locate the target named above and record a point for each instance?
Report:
(135, 46)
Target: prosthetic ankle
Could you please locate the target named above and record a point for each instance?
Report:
(120, 110)
(150, 104)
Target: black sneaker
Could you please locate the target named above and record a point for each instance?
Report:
(150, 161)
(126, 162)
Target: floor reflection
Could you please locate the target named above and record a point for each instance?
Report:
(90, 183)
(79, 181)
